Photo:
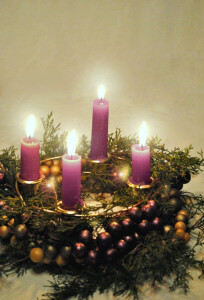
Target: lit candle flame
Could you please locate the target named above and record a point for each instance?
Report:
(101, 92)
(71, 143)
(143, 134)
(30, 126)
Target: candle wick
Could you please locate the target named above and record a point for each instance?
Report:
(29, 137)
(101, 101)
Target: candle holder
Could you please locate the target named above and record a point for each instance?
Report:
(26, 187)
(71, 211)
(141, 186)
(98, 161)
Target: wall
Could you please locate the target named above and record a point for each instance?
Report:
(149, 54)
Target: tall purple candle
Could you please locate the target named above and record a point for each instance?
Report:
(71, 175)
(141, 160)
(99, 138)
(30, 157)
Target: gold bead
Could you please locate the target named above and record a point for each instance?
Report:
(56, 162)
(168, 228)
(180, 233)
(36, 255)
(180, 225)
(55, 170)
(183, 212)
(5, 232)
(187, 237)
(45, 170)
(60, 261)
(13, 240)
(181, 218)
(48, 163)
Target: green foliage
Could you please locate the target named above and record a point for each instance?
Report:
(156, 259)
(83, 146)
(53, 143)
(11, 162)
(120, 144)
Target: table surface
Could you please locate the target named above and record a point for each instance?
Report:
(148, 54)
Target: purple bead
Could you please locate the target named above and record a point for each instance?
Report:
(92, 257)
(111, 255)
(79, 250)
(186, 178)
(157, 223)
(154, 205)
(104, 240)
(135, 213)
(122, 247)
(131, 241)
(114, 228)
(85, 237)
(148, 211)
(127, 226)
(144, 227)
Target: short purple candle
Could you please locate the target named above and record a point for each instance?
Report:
(99, 138)
(71, 175)
(30, 157)
(141, 161)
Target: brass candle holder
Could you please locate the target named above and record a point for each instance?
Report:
(71, 211)
(141, 186)
(98, 161)
(26, 187)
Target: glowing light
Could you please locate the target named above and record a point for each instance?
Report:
(124, 173)
(101, 92)
(51, 184)
(143, 134)
(30, 126)
(71, 143)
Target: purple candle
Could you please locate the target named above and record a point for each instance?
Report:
(141, 160)
(99, 138)
(30, 157)
(71, 174)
